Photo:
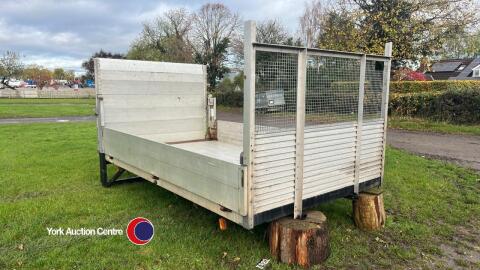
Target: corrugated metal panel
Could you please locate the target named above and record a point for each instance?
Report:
(329, 158)
(274, 170)
(371, 150)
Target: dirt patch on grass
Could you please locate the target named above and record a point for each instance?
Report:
(462, 251)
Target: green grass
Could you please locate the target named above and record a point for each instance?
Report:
(49, 178)
(418, 124)
(18, 108)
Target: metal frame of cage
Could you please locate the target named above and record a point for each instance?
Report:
(322, 89)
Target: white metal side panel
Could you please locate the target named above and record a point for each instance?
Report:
(274, 171)
(329, 158)
(277, 142)
(230, 132)
(372, 150)
(167, 100)
(214, 179)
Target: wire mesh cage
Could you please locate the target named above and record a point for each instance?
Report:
(331, 90)
(275, 91)
(372, 101)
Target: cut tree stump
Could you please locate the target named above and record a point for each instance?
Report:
(368, 210)
(300, 241)
(222, 224)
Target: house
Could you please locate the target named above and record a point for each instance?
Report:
(456, 69)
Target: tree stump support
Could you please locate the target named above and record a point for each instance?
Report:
(368, 210)
(304, 242)
(222, 224)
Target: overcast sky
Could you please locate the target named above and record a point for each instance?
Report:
(56, 33)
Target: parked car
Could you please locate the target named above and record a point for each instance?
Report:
(73, 83)
(270, 100)
(16, 83)
(89, 83)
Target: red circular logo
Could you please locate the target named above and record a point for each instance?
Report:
(140, 231)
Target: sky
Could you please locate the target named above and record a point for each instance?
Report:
(55, 33)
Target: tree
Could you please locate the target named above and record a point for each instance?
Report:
(416, 27)
(311, 22)
(89, 65)
(40, 75)
(268, 31)
(272, 32)
(463, 45)
(10, 67)
(59, 74)
(225, 85)
(339, 32)
(228, 84)
(165, 39)
(214, 26)
(215, 61)
(69, 75)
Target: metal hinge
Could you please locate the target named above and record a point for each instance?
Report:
(243, 177)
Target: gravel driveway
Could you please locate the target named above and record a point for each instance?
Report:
(463, 150)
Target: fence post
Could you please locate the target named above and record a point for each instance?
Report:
(358, 147)
(385, 94)
(299, 134)
(249, 110)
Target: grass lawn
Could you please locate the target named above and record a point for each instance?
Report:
(49, 178)
(418, 124)
(17, 108)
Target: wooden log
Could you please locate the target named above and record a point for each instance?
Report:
(222, 224)
(368, 210)
(300, 241)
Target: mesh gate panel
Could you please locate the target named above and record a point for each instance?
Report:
(332, 90)
(372, 102)
(275, 91)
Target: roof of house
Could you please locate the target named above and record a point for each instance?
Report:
(445, 66)
(454, 69)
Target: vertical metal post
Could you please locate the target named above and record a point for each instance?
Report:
(99, 105)
(249, 110)
(103, 170)
(385, 94)
(299, 136)
(212, 117)
(358, 147)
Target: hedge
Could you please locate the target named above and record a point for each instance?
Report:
(229, 98)
(432, 86)
(454, 106)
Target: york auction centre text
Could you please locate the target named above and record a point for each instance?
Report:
(84, 231)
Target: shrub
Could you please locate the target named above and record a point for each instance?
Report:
(455, 106)
(432, 86)
(230, 98)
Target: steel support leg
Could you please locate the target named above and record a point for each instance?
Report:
(103, 170)
(115, 178)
